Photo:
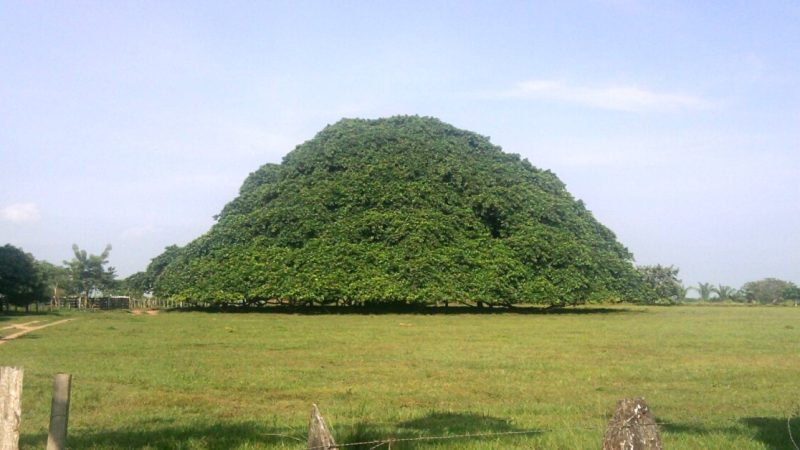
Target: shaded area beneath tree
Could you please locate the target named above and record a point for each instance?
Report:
(432, 429)
(411, 309)
(207, 436)
(773, 432)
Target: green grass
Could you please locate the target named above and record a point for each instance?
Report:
(716, 377)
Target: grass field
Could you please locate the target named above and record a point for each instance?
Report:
(715, 377)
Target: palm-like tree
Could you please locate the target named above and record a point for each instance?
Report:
(724, 292)
(705, 290)
(88, 272)
(682, 292)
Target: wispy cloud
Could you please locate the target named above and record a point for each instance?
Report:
(20, 213)
(617, 98)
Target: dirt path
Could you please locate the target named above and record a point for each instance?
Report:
(149, 312)
(20, 325)
(26, 328)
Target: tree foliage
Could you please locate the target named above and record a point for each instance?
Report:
(144, 282)
(724, 292)
(20, 284)
(88, 272)
(792, 292)
(56, 280)
(683, 293)
(663, 284)
(408, 210)
(704, 290)
(768, 290)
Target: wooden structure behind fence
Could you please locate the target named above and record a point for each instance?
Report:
(157, 303)
(118, 302)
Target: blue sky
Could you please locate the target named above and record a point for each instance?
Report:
(677, 123)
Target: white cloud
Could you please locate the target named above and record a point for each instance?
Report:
(20, 213)
(618, 98)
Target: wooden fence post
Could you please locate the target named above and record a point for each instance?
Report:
(10, 407)
(632, 427)
(59, 412)
(319, 436)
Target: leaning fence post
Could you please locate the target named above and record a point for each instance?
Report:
(59, 412)
(10, 407)
(319, 436)
(632, 427)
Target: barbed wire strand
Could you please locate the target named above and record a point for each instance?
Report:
(283, 436)
(381, 442)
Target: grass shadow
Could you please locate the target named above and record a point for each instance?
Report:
(437, 423)
(695, 429)
(165, 435)
(411, 310)
(428, 430)
(772, 432)
(12, 315)
(201, 436)
(28, 337)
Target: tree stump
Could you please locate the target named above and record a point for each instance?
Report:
(319, 436)
(10, 407)
(633, 427)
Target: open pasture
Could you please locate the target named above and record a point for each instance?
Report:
(715, 377)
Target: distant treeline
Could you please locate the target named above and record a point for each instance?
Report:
(664, 286)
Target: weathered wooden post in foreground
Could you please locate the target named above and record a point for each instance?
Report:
(10, 407)
(319, 436)
(633, 427)
(59, 412)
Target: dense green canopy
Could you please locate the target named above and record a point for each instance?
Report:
(404, 209)
(20, 284)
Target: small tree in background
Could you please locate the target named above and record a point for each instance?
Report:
(768, 290)
(88, 272)
(683, 292)
(704, 290)
(792, 292)
(55, 280)
(725, 292)
(663, 283)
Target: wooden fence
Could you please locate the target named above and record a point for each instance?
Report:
(11, 409)
(107, 303)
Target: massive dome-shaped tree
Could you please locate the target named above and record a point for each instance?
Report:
(404, 209)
